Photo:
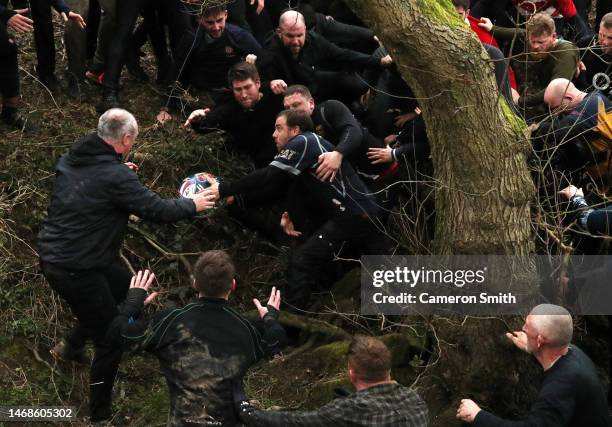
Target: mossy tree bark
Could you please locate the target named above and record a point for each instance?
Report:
(479, 150)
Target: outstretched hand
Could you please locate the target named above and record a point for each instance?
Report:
(288, 227)
(78, 19)
(571, 191)
(213, 190)
(273, 301)
(519, 339)
(144, 280)
(467, 410)
(20, 23)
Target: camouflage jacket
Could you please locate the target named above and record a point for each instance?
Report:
(204, 350)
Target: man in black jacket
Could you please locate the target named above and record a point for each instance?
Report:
(343, 210)
(571, 394)
(297, 56)
(205, 348)
(248, 117)
(335, 122)
(205, 56)
(79, 242)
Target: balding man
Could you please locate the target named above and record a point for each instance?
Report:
(95, 192)
(298, 56)
(571, 394)
(576, 132)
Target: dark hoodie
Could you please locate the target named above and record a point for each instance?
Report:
(94, 195)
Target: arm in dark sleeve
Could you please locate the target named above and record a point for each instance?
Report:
(260, 184)
(502, 33)
(129, 194)
(245, 41)
(132, 331)
(566, 129)
(327, 415)
(217, 118)
(554, 407)
(274, 335)
(340, 117)
(6, 14)
(348, 58)
(580, 27)
(60, 6)
(599, 221)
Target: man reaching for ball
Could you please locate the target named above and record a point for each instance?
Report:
(79, 242)
(343, 209)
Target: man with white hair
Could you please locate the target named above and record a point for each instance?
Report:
(95, 192)
(571, 394)
(298, 56)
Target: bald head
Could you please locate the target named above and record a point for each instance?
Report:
(562, 92)
(292, 31)
(553, 323)
(292, 18)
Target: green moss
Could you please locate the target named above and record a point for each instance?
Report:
(441, 11)
(518, 125)
(332, 357)
(325, 391)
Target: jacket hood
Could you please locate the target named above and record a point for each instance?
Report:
(91, 149)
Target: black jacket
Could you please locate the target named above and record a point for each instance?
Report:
(318, 54)
(93, 197)
(571, 396)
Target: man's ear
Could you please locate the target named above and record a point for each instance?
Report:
(233, 285)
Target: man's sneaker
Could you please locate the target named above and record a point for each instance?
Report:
(110, 99)
(97, 78)
(66, 353)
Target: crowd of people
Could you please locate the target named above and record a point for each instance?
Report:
(319, 107)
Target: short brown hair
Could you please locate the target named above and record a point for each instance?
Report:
(369, 358)
(242, 71)
(540, 24)
(299, 89)
(297, 118)
(606, 20)
(213, 10)
(213, 273)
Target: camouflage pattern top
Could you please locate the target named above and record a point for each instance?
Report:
(204, 350)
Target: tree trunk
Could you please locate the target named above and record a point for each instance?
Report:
(479, 150)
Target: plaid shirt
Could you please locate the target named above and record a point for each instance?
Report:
(383, 405)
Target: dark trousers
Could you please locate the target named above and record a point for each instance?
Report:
(152, 28)
(9, 75)
(127, 12)
(43, 37)
(310, 258)
(93, 296)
